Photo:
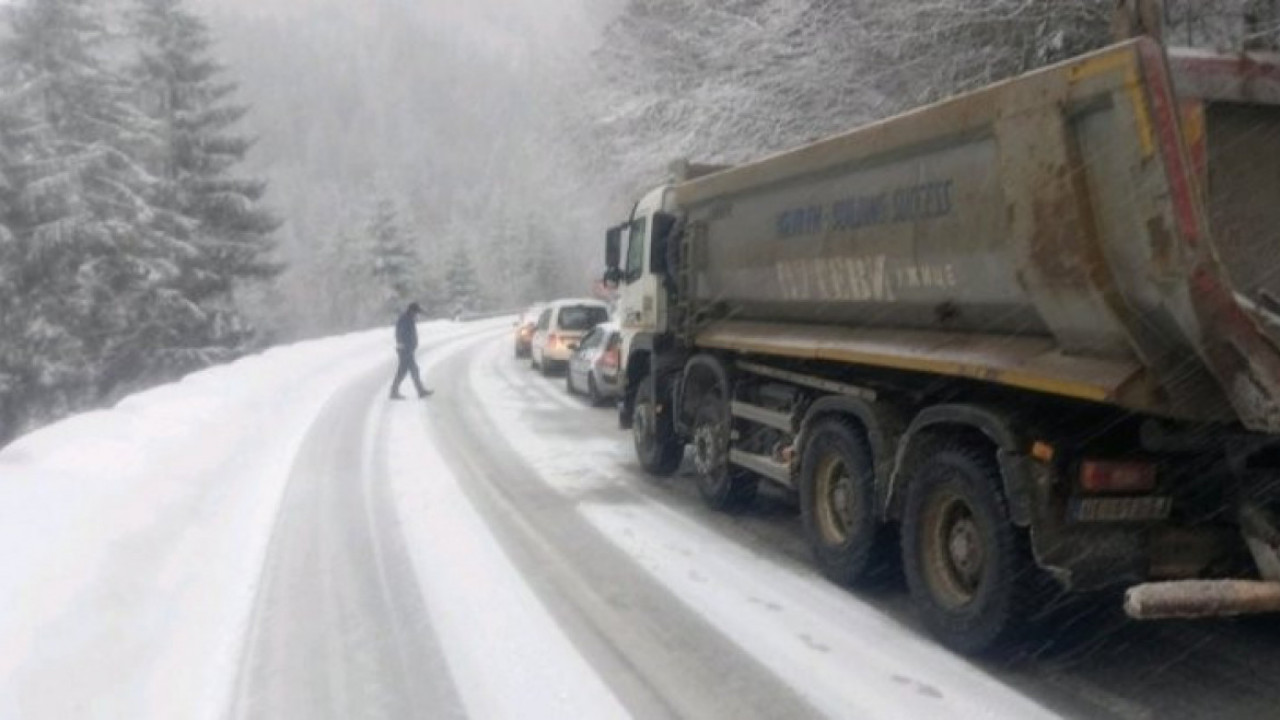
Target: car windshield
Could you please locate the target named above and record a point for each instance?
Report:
(582, 317)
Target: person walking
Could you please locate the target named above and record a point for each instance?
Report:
(406, 346)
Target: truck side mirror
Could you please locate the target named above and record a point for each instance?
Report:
(613, 248)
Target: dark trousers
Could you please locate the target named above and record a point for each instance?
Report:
(408, 366)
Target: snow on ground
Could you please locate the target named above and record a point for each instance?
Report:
(136, 541)
(133, 537)
(508, 657)
(844, 656)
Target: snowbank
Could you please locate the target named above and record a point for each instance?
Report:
(133, 537)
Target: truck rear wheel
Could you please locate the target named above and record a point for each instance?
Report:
(837, 502)
(722, 485)
(657, 447)
(968, 568)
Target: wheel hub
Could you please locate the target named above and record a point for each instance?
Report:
(954, 550)
(835, 490)
(706, 449)
(965, 549)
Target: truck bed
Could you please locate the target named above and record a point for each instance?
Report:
(1051, 233)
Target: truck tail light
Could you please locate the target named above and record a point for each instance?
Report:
(1104, 476)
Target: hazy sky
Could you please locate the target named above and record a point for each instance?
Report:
(503, 25)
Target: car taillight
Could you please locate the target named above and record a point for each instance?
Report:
(1104, 476)
(611, 358)
(553, 340)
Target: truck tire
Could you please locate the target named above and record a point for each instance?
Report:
(837, 502)
(722, 486)
(657, 447)
(969, 570)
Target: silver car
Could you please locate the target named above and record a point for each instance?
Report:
(593, 367)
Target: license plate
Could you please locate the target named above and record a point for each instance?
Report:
(1121, 509)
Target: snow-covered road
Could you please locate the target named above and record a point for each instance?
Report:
(274, 539)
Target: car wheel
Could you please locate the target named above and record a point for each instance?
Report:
(969, 570)
(593, 391)
(568, 381)
(657, 446)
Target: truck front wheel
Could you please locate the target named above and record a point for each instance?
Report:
(657, 447)
(722, 485)
(837, 502)
(968, 568)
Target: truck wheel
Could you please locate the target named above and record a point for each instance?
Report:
(722, 485)
(657, 447)
(968, 568)
(837, 502)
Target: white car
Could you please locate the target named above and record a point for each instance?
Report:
(594, 367)
(560, 327)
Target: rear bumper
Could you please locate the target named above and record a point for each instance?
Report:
(558, 354)
(607, 387)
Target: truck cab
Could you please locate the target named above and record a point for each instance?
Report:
(636, 258)
(642, 300)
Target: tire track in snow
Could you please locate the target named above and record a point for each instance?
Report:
(659, 658)
(808, 634)
(338, 628)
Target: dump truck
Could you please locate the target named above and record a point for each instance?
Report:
(1022, 341)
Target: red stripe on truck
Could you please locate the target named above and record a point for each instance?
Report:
(1164, 110)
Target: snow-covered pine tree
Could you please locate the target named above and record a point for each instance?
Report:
(89, 260)
(462, 288)
(396, 268)
(12, 319)
(226, 226)
(344, 277)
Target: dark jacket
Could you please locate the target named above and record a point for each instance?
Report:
(407, 331)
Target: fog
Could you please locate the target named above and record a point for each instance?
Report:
(455, 111)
